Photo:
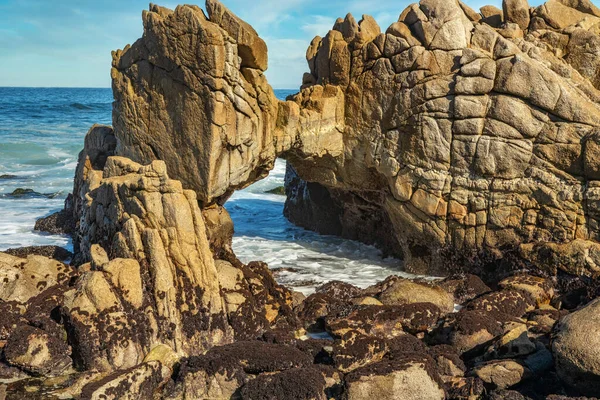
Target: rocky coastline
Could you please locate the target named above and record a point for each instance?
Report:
(465, 143)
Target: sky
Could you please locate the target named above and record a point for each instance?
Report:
(68, 43)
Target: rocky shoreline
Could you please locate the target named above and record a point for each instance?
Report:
(464, 142)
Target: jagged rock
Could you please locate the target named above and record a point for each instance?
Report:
(414, 376)
(355, 350)
(144, 381)
(514, 343)
(577, 336)
(384, 321)
(214, 124)
(153, 279)
(448, 361)
(219, 230)
(339, 290)
(438, 134)
(254, 302)
(469, 388)
(469, 329)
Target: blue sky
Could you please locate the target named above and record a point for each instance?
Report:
(67, 43)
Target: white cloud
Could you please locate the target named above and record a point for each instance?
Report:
(319, 25)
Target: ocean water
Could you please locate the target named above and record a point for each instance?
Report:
(41, 134)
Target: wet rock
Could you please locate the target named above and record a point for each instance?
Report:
(339, 290)
(404, 291)
(59, 223)
(54, 252)
(293, 384)
(37, 352)
(576, 335)
(414, 376)
(8, 176)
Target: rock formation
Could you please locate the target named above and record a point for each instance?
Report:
(451, 136)
(451, 130)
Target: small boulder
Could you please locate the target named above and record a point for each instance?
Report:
(501, 374)
(355, 350)
(404, 291)
(517, 11)
(540, 289)
(464, 287)
(414, 376)
(292, 384)
(510, 302)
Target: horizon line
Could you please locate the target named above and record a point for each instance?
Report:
(88, 87)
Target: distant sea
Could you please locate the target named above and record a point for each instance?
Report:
(41, 134)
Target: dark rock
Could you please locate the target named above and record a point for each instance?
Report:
(310, 205)
(339, 290)
(8, 176)
(36, 351)
(468, 388)
(355, 350)
(60, 223)
(448, 360)
(251, 357)
(510, 302)
(464, 287)
(54, 252)
(280, 191)
(292, 384)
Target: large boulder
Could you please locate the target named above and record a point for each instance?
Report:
(575, 349)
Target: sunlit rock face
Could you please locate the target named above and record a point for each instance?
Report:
(450, 131)
(464, 137)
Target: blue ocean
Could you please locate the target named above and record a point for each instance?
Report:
(41, 134)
